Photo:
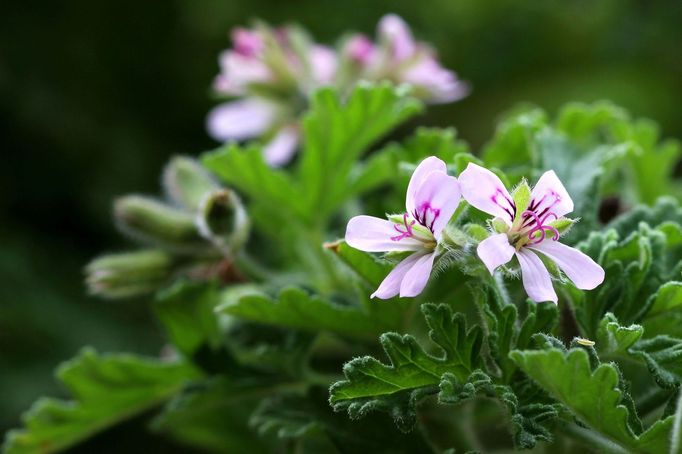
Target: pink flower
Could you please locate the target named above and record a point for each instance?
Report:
(432, 197)
(265, 61)
(360, 49)
(406, 60)
(530, 232)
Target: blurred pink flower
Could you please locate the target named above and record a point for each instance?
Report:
(527, 234)
(432, 197)
(273, 72)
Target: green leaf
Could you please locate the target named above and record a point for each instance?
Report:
(106, 390)
(635, 269)
(367, 266)
(663, 357)
(676, 439)
(308, 420)
(186, 311)
(612, 338)
(665, 315)
(412, 372)
(214, 416)
(336, 134)
(294, 308)
(506, 330)
(512, 147)
(527, 420)
(593, 397)
(385, 166)
(245, 170)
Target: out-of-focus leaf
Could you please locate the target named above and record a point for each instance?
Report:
(294, 308)
(214, 416)
(336, 134)
(186, 311)
(106, 390)
(308, 420)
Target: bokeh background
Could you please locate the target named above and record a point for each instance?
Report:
(95, 96)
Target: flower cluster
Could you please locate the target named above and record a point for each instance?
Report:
(270, 74)
(527, 228)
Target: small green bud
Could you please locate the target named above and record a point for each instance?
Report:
(499, 225)
(150, 221)
(185, 182)
(521, 196)
(563, 225)
(128, 274)
(476, 231)
(223, 221)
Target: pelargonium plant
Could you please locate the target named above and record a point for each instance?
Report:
(473, 317)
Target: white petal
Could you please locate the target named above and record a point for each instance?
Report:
(550, 192)
(398, 35)
(495, 251)
(417, 277)
(238, 120)
(484, 190)
(439, 193)
(428, 165)
(282, 147)
(390, 286)
(323, 64)
(536, 279)
(371, 234)
(585, 273)
(442, 84)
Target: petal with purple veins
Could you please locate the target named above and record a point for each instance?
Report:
(549, 193)
(428, 165)
(436, 199)
(484, 190)
(371, 234)
(535, 277)
(495, 251)
(585, 273)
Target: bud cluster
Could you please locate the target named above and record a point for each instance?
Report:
(197, 225)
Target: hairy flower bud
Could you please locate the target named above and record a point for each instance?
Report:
(128, 274)
(153, 222)
(223, 221)
(185, 182)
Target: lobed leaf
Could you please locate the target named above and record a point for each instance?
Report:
(106, 390)
(412, 372)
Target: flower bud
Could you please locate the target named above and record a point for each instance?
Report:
(223, 221)
(185, 182)
(128, 274)
(153, 222)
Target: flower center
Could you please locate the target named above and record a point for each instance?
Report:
(535, 221)
(418, 225)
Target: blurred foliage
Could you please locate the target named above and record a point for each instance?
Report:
(94, 97)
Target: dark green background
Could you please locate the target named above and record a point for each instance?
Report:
(95, 96)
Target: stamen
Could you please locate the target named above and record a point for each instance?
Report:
(406, 233)
(540, 226)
